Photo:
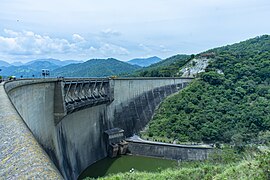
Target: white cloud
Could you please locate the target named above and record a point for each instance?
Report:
(145, 47)
(77, 38)
(154, 49)
(92, 49)
(27, 44)
(111, 49)
(8, 44)
(163, 48)
(110, 32)
(203, 24)
(11, 33)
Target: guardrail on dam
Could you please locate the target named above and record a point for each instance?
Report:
(68, 117)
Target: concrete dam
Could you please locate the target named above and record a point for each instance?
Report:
(54, 128)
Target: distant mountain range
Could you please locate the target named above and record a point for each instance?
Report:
(96, 68)
(164, 68)
(4, 64)
(144, 62)
(18, 63)
(56, 62)
(32, 68)
(73, 68)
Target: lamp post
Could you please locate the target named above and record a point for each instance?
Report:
(45, 72)
(1, 76)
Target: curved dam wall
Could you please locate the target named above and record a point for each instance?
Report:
(34, 101)
(77, 140)
(21, 156)
(135, 100)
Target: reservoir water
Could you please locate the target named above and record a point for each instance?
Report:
(125, 163)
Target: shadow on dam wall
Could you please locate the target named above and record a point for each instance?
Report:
(134, 116)
(77, 140)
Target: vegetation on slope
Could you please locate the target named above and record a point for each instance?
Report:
(96, 68)
(167, 68)
(228, 103)
(228, 164)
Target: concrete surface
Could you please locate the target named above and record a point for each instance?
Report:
(77, 140)
(142, 147)
(20, 154)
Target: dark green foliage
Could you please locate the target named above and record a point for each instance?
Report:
(166, 68)
(264, 164)
(96, 68)
(213, 78)
(229, 106)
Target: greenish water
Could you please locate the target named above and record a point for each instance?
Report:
(108, 166)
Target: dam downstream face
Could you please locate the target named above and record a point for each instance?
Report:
(124, 164)
(74, 137)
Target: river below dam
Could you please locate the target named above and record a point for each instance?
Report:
(125, 163)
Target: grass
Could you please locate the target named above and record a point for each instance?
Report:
(229, 164)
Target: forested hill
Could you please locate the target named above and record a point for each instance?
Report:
(230, 102)
(166, 68)
(96, 68)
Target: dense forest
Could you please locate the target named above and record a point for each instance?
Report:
(96, 68)
(167, 68)
(227, 103)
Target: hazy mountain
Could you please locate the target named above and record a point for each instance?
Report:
(164, 68)
(56, 61)
(144, 62)
(4, 64)
(96, 68)
(28, 70)
(18, 63)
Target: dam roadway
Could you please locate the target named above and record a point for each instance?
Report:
(68, 118)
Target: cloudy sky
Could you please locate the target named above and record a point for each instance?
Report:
(125, 29)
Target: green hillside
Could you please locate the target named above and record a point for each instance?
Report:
(96, 68)
(227, 165)
(228, 103)
(165, 68)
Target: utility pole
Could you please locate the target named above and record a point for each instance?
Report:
(1, 77)
(45, 72)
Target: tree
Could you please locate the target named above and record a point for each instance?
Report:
(213, 78)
